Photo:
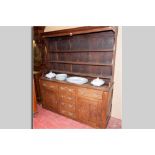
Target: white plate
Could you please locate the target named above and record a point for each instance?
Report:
(77, 80)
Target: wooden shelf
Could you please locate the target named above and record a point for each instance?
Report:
(81, 63)
(81, 74)
(72, 51)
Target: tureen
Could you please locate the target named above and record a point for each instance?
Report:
(50, 75)
(97, 82)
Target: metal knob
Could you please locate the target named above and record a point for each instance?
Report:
(69, 98)
(70, 106)
(70, 90)
(44, 84)
(63, 103)
(70, 114)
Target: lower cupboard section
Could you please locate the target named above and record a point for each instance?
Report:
(85, 105)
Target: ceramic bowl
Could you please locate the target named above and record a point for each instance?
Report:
(61, 77)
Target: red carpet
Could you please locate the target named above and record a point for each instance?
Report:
(45, 119)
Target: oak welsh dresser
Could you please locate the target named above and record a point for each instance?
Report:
(86, 52)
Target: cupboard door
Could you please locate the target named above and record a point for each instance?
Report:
(50, 100)
(88, 111)
(93, 111)
(83, 110)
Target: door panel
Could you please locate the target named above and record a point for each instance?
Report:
(83, 110)
(50, 99)
(93, 111)
(88, 111)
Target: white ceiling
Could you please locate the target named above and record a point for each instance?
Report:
(55, 28)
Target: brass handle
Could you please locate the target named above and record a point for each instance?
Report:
(70, 114)
(70, 106)
(69, 98)
(51, 86)
(62, 103)
(63, 111)
(70, 90)
(44, 84)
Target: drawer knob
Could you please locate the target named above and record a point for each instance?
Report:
(70, 106)
(63, 103)
(69, 98)
(44, 84)
(70, 114)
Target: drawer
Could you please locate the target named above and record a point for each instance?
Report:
(50, 85)
(90, 93)
(52, 107)
(67, 106)
(67, 113)
(66, 98)
(68, 90)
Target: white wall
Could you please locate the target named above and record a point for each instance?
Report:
(117, 95)
(54, 28)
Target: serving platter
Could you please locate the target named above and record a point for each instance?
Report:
(77, 80)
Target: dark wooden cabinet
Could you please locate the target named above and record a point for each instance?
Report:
(88, 52)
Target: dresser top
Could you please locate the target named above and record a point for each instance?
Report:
(87, 85)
